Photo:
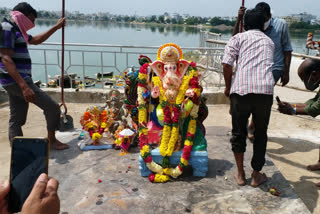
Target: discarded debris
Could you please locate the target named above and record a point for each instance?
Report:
(273, 191)
(99, 202)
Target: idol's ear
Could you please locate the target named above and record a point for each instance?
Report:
(182, 67)
(157, 67)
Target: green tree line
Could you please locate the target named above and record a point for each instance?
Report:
(304, 26)
(161, 19)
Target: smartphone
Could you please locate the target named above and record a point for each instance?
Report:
(29, 159)
(278, 99)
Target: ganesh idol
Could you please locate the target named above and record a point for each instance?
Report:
(171, 111)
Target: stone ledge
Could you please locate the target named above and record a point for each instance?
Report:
(99, 95)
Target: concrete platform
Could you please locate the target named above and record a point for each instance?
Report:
(123, 190)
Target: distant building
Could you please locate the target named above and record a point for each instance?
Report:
(315, 22)
(228, 18)
(304, 17)
(291, 19)
(186, 15)
(177, 16)
(166, 16)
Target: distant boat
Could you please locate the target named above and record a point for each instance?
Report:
(109, 83)
(138, 29)
(89, 84)
(104, 75)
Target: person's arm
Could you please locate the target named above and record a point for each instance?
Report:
(287, 61)
(43, 198)
(236, 28)
(38, 39)
(287, 49)
(7, 61)
(312, 107)
(231, 53)
(227, 74)
(300, 108)
(292, 108)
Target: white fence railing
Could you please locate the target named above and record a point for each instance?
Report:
(86, 60)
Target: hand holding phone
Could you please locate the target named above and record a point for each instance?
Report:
(29, 159)
(4, 190)
(43, 198)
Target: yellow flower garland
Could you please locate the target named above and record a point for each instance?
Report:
(192, 129)
(172, 142)
(143, 116)
(183, 88)
(161, 178)
(157, 82)
(141, 99)
(166, 133)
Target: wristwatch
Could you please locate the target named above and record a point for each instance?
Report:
(294, 109)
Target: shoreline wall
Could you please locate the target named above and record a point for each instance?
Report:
(100, 96)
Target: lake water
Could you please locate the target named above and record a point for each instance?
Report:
(145, 35)
(136, 34)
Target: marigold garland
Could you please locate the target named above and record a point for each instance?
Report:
(169, 133)
(91, 124)
(157, 82)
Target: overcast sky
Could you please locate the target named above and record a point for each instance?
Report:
(207, 8)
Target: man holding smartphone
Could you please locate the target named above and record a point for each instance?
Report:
(309, 73)
(15, 72)
(43, 198)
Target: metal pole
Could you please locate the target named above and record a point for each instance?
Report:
(62, 60)
(241, 23)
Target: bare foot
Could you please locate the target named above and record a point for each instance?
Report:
(240, 178)
(258, 179)
(57, 145)
(314, 167)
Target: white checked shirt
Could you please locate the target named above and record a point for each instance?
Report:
(253, 74)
